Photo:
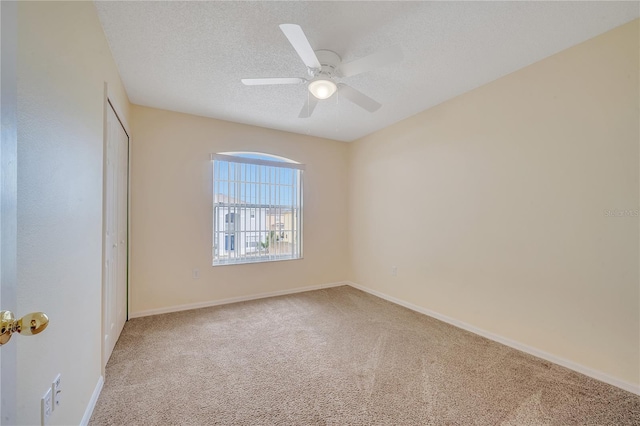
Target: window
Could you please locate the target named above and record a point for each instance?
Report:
(257, 208)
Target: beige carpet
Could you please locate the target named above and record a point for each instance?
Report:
(337, 357)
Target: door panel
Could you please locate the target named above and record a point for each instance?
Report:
(8, 209)
(123, 184)
(115, 238)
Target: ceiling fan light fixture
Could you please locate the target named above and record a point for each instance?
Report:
(322, 89)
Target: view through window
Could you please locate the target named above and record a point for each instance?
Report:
(257, 208)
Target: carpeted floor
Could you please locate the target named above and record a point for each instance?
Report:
(337, 357)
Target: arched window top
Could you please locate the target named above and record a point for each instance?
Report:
(259, 156)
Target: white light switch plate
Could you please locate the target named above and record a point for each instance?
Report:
(56, 389)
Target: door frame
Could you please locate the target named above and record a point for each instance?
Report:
(8, 198)
(108, 103)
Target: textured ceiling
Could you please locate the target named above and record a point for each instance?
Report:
(190, 56)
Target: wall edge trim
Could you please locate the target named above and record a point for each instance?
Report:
(594, 374)
(92, 402)
(198, 305)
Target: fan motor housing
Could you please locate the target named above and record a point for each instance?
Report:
(329, 60)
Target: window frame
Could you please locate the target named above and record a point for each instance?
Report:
(297, 210)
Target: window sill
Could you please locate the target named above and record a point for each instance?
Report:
(253, 261)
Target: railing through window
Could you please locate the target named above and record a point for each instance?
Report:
(257, 212)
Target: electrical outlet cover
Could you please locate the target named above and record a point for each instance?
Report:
(46, 405)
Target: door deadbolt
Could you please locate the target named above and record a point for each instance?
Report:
(28, 325)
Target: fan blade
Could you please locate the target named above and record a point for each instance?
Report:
(301, 44)
(358, 98)
(264, 81)
(375, 60)
(308, 107)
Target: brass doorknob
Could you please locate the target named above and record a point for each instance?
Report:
(28, 325)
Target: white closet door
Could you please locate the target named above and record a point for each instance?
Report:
(123, 187)
(115, 292)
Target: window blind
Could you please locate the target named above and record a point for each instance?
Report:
(257, 212)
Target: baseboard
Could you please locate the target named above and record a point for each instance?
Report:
(603, 377)
(208, 304)
(92, 402)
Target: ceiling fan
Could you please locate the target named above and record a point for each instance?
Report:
(324, 67)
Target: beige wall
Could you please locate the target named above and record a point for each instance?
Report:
(492, 206)
(171, 211)
(63, 62)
